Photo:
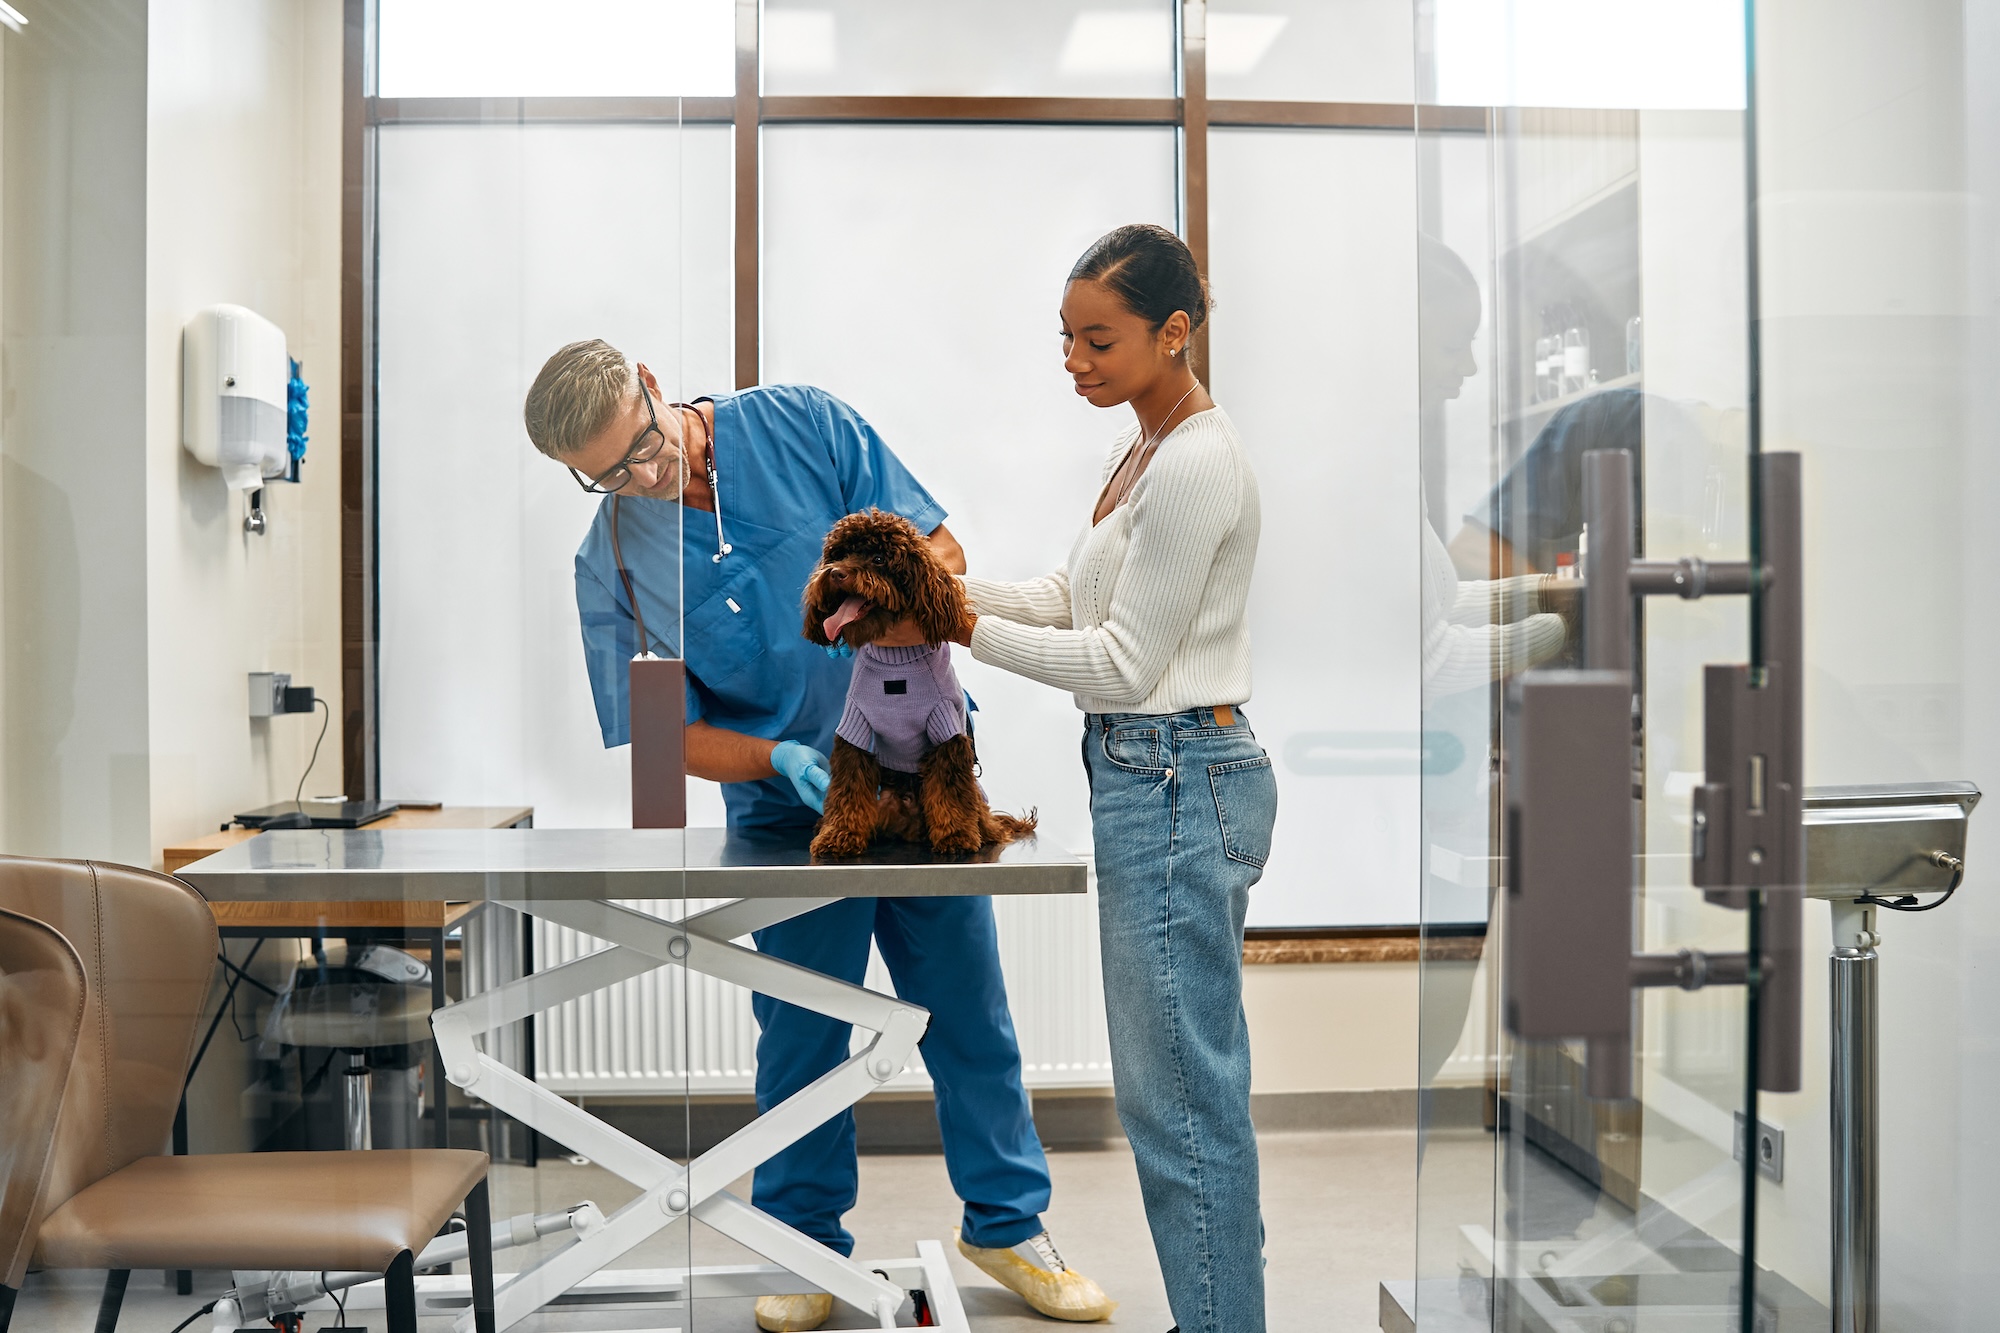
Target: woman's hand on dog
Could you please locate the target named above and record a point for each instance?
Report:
(905, 634)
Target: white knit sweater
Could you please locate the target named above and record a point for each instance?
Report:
(1148, 613)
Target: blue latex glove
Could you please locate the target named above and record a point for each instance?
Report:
(839, 648)
(807, 769)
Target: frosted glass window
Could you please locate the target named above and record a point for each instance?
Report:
(1031, 48)
(916, 271)
(1314, 353)
(497, 248)
(580, 48)
(1309, 50)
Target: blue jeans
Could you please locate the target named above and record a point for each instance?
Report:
(1182, 808)
(944, 954)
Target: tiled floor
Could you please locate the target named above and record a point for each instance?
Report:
(1339, 1210)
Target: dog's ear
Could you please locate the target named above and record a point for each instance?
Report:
(815, 591)
(815, 630)
(937, 601)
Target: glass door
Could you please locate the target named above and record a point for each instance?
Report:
(1588, 1029)
(1708, 301)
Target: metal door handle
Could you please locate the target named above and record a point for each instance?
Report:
(1571, 814)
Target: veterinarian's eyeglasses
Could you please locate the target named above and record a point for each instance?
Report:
(644, 450)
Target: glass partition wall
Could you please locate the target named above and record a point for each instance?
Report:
(1582, 296)
(1697, 250)
(524, 618)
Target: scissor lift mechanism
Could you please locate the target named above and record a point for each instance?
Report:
(576, 1273)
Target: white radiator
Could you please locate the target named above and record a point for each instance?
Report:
(670, 1032)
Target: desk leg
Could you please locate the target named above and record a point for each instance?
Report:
(532, 1152)
(183, 1278)
(440, 1091)
(670, 1191)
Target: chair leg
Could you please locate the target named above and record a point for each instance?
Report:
(114, 1299)
(479, 1256)
(399, 1290)
(6, 1306)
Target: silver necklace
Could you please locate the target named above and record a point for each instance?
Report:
(1146, 452)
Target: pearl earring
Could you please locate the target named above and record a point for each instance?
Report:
(1173, 351)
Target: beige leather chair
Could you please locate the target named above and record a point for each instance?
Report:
(108, 1200)
(41, 1011)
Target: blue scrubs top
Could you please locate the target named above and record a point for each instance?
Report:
(790, 461)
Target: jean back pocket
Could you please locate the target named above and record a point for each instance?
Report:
(1246, 804)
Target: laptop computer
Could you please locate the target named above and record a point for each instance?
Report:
(318, 814)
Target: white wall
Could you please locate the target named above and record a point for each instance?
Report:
(243, 206)
(1332, 1027)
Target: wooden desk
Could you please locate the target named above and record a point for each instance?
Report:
(450, 816)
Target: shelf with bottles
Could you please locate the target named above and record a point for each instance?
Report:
(1548, 407)
(1574, 303)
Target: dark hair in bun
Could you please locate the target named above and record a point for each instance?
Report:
(1151, 270)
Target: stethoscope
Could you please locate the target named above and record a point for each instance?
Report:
(722, 547)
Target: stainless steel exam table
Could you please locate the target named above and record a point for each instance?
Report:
(581, 878)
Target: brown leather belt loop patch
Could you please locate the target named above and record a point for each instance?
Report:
(1225, 715)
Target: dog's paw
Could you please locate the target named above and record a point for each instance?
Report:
(955, 842)
(838, 844)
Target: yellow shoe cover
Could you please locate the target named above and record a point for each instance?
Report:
(1058, 1291)
(793, 1314)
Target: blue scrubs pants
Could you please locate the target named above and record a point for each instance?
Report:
(944, 954)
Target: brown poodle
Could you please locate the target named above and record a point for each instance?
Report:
(902, 758)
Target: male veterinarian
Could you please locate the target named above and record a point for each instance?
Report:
(770, 470)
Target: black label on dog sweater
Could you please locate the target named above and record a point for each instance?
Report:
(895, 687)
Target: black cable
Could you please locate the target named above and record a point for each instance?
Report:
(297, 795)
(206, 1309)
(1907, 903)
(338, 1303)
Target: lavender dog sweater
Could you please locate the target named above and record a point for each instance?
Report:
(902, 701)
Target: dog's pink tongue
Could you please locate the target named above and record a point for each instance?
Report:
(850, 611)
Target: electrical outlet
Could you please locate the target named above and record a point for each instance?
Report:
(267, 692)
(272, 693)
(1770, 1149)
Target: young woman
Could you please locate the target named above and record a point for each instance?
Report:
(1145, 624)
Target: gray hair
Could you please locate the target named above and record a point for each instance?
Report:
(575, 396)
